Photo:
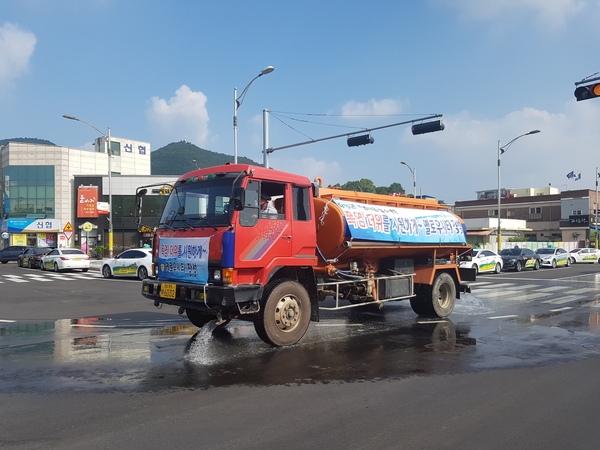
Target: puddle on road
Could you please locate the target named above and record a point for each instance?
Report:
(163, 351)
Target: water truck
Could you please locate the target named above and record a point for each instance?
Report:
(244, 242)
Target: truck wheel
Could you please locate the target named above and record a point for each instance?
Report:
(443, 295)
(436, 300)
(198, 318)
(285, 314)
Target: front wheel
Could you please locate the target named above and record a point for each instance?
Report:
(285, 314)
(554, 264)
(518, 266)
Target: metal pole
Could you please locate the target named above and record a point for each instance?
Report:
(596, 220)
(501, 150)
(237, 101)
(415, 183)
(265, 137)
(110, 205)
(235, 126)
(498, 236)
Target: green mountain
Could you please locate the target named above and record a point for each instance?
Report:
(178, 158)
(27, 141)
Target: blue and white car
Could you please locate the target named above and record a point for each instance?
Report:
(135, 262)
(484, 261)
(554, 257)
(585, 255)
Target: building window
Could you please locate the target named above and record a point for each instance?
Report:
(29, 191)
(536, 210)
(576, 212)
(492, 213)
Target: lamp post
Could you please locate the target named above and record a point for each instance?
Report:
(501, 150)
(106, 138)
(237, 102)
(414, 177)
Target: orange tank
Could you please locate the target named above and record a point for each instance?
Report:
(365, 228)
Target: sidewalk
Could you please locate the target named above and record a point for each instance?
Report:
(96, 264)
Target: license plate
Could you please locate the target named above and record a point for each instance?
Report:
(168, 290)
(76, 259)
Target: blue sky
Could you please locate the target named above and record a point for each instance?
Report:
(163, 71)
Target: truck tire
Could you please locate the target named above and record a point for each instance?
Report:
(436, 300)
(284, 314)
(443, 295)
(198, 318)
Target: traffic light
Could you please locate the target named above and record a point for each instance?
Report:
(587, 92)
(364, 139)
(427, 127)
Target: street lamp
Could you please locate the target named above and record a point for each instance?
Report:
(414, 176)
(237, 102)
(501, 150)
(106, 138)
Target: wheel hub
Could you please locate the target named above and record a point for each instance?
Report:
(287, 313)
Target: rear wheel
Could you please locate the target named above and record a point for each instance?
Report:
(56, 269)
(568, 263)
(435, 300)
(142, 273)
(29, 264)
(498, 268)
(106, 273)
(285, 314)
(536, 265)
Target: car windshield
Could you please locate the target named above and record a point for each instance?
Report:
(545, 251)
(510, 252)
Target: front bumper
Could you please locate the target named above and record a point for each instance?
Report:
(204, 297)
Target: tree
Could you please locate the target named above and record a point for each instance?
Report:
(362, 185)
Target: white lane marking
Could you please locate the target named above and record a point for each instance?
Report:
(509, 316)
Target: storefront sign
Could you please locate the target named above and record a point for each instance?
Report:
(87, 199)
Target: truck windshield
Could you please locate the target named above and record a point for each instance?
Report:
(203, 203)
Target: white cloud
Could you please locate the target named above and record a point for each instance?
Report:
(548, 12)
(16, 49)
(311, 168)
(372, 108)
(182, 117)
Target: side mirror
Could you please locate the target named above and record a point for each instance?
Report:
(238, 199)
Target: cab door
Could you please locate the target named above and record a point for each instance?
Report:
(262, 240)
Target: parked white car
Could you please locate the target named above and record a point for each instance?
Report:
(135, 262)
(585, 255)
(554, 257)
(484, 261)
(65, 259)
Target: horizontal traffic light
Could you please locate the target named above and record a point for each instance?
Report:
(587, 92)
(427, 127)
(364, 139)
